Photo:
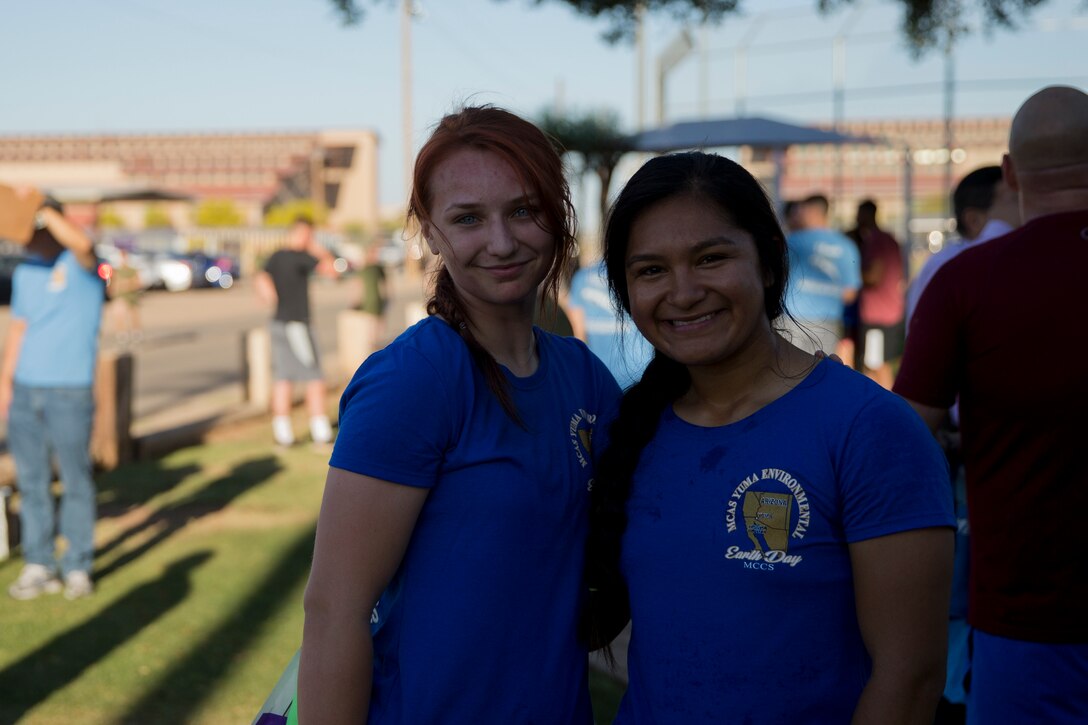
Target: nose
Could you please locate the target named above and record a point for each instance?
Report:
(501, 241)
(686, 290)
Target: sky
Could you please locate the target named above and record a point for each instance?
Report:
(265, 65)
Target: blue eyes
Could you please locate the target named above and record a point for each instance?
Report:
(522, 212)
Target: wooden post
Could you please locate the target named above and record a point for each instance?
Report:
(257, 367)
(111, 435)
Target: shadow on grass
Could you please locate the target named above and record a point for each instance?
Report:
(171, 518)
(136, 483)
(29, 681)
(185, 686)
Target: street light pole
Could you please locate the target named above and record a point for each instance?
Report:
(674, 52)
(408, 151)
(640, 67)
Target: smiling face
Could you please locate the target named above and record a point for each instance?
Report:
(695, 282)
(481, 223)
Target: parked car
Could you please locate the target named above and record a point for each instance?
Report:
(213, 271)
(171, 272)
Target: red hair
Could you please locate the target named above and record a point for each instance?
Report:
(539, 169)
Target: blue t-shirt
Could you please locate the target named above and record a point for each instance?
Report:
(736, 558)
(612, 338)
(479, 624)
(61, 303)
(823, 265)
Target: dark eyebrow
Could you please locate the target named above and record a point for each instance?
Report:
(697, 247)
(458, 206)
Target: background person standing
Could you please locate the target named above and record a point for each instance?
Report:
(825, 274)
(284, 283)
(373, 298)
(607, 332)
(46, 394)
(1021, 419)
(880, 301)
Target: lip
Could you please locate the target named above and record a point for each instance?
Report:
(504, 271)
(691, 324)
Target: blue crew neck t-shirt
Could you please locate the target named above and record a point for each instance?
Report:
(479, 624)
(61, 302)
(823, 265)
(611, 337)
(736, 558)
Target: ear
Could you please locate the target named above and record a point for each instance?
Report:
(428, 236)
(1008, 173)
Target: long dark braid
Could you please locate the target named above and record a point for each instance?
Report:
(640, 410)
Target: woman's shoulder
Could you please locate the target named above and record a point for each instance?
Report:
(427, 351)
(837, 387)
(572, 355)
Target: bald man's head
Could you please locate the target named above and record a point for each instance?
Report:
(1047, 163)
(1050, 130)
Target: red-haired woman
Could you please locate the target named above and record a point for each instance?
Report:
(447, 571)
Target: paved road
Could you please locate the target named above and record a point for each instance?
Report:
(190, 361)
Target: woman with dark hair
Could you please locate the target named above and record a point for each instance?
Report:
(447, 572)
(781, 524)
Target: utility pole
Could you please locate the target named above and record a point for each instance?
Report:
(949, 115)
(408, 151)
(674, 52)
(640, 67)
(740, 65)
(838, 71)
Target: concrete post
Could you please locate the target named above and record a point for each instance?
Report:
(257, 367)
(356, 333)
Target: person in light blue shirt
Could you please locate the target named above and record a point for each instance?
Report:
(608, 333)
(825, 276)
(46, 382)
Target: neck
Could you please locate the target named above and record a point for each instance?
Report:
(507, 334)
(731, 391)
(1036, 206)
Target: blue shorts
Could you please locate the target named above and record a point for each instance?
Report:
(1024, 683)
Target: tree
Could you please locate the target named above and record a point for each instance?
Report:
(217, 213)
(155, 217)
(108, 218)
(925, 22)
(596, 138)
(284, 215)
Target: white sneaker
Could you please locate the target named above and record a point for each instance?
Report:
(34, 580)
(282, 432)
(320, 429)
(77, 584)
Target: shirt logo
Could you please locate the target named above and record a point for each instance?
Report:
(58, 279)
(766, 512)
(581, 438)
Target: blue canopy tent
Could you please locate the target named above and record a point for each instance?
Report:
(754, 131)
(762, 133)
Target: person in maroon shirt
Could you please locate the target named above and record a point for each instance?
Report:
(880, 300)
(997, 326)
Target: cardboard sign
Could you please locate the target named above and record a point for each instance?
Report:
(17, 214)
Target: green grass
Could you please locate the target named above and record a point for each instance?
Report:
(203, 557)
